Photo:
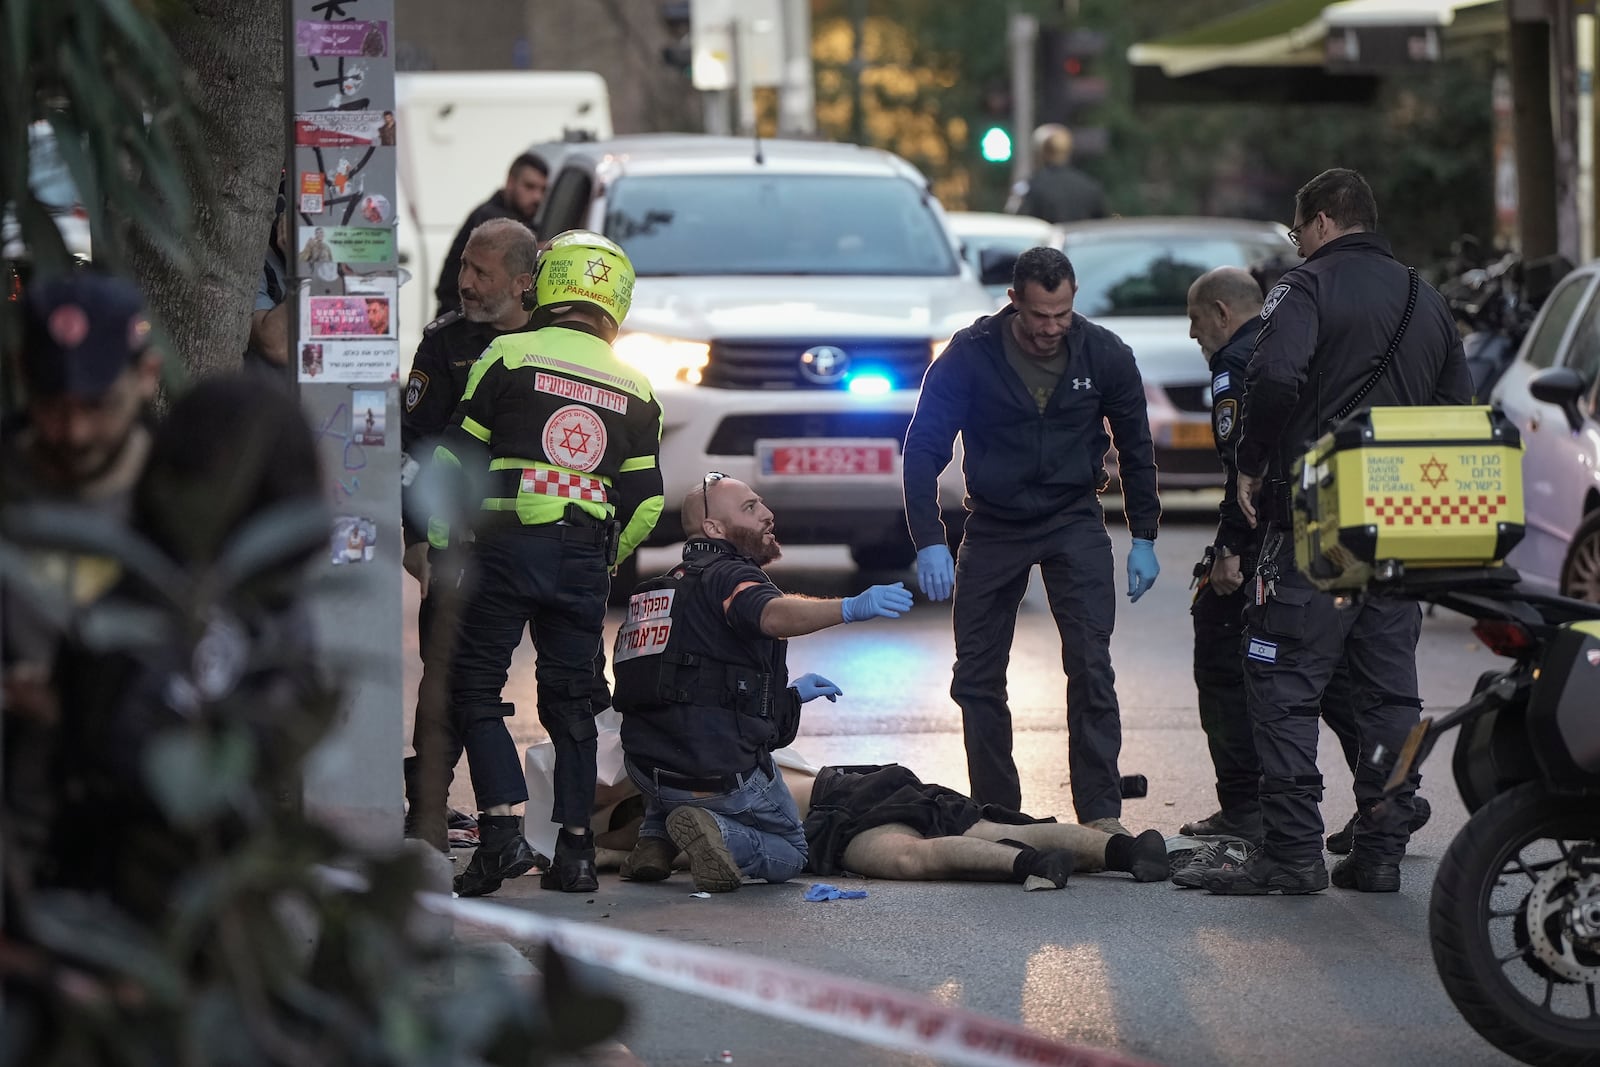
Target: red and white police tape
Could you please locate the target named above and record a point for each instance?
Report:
(874, 1014)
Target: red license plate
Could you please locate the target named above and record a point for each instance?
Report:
(842, 460)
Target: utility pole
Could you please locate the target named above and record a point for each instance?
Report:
(858, 66)
(1022, 34)
(1534, 123)
(1564, 56)
(797, 97)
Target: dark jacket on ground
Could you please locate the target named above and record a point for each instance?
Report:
(1021, 465)
(1228, 365)
(848, 801)
(451, 344)
(447, 291)
(1325, 328)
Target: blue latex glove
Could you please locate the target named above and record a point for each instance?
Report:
(1142, 568)
(880, 601)
(824, 891)
(936, 572)
(812, 686)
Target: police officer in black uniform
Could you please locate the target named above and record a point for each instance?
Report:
(1224, 317)
(497, 267)
(1328, 330)
(1029, 390)
(703, 687)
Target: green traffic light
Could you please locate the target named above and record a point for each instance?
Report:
(996, 145)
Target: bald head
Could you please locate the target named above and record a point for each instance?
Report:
(1220, 302)
(726, 508)
(1233, 287)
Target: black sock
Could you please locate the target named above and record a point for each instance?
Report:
(1055, 866)
(1119, 853)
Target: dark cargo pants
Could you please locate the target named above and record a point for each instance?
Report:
(1224, 713)
(1219, 689)
(1073, 551)
(1294, 645)
(557, 589)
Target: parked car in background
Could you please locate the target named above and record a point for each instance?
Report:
(991, 241)
(52, 185)
(1549, 392)
(790, 296)
(1133, 278)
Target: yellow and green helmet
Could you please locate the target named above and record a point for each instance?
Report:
(584, 268)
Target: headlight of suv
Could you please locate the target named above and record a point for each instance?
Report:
(664, 360)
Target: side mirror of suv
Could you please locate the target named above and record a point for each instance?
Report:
(995, 266)
(1561, 386)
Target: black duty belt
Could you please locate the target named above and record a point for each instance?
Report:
(560, 530)
(725, 783)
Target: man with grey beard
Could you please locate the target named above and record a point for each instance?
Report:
(497, 268)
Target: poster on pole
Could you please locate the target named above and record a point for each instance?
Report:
(339, 114)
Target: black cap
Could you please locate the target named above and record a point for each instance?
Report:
(82, 332)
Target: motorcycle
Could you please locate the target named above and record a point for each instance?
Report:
(1514, 918)
(1494, 305)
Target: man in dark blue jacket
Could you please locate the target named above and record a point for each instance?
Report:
(1030, 389)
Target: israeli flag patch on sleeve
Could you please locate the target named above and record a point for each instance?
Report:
(1219, 384)
(1265, 651)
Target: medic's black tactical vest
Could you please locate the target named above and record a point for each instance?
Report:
(695, 697)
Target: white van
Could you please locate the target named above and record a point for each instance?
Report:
(459, 133)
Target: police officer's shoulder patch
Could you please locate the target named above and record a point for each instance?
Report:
(441, 322)
(416, 385)
(1273, 299)
(1220, 383)
(1225, 418)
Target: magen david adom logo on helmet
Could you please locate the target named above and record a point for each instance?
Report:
(591, 274)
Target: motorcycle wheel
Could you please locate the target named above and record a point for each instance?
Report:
(1515, 925)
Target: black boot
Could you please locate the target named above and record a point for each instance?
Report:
(572, 870)
(502, 853)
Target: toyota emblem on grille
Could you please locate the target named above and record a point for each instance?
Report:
(824, 364)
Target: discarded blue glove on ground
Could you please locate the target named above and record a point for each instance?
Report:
(824, 891)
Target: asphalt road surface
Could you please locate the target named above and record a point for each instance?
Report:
(1170, 976)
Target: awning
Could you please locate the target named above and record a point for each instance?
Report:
(1303, 51)
(1281, 33)
(1441, 13)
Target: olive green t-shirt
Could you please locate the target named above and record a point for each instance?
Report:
(1040, 376)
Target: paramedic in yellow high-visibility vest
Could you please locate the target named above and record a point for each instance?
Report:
(570, 436)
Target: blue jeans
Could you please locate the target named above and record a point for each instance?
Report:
(759, 821)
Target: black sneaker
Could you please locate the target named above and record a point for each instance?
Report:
(1210, 856)
(1366, 876)
(502, 855)
(572, 869)
(1341, 842)
(1243, 825)
(1261, 874)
